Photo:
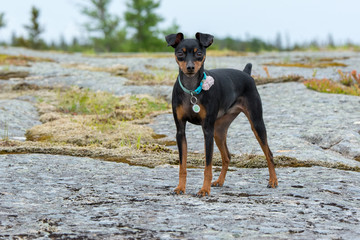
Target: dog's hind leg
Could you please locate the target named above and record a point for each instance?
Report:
(220, 133)
(253, 111)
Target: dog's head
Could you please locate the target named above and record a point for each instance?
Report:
(190, 53)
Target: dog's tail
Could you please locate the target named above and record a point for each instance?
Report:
(247, 68)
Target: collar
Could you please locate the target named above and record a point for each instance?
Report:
(192, 92)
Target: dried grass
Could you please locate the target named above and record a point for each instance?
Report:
(21, 60)
(81, 117)
(158, 77)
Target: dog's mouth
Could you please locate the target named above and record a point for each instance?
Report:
(190, 74)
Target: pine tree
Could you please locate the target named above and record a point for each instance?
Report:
(141, 17)
(331, 42)
(2, 20)
(34, 29)
(103, 26)
(278, 41)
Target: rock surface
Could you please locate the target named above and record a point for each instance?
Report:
(16, 116)
(44, 196)
(61, 197)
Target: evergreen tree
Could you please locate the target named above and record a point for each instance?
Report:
(278, 41)
(13, 39)
(141, 17)
(34, 29)
(2, 20)
(102, 24)
(63, 45)
(330, 42)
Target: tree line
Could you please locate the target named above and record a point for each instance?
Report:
(137, 31)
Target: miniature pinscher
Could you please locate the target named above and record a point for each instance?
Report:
(212, 99)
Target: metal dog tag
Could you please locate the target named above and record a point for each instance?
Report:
(193, 101)
(196, 108)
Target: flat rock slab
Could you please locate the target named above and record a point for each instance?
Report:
(48, 196)
(16, 116)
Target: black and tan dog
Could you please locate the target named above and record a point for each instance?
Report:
(212, 99)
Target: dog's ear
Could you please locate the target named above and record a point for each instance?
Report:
(205, 39)
(174, 39)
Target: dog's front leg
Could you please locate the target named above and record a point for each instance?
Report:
(182, 147)
(208, 129)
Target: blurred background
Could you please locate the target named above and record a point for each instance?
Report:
(140, 25)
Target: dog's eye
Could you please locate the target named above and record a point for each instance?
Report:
(180, 54)
(199, 54)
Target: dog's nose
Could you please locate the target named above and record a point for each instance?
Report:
(190, 66)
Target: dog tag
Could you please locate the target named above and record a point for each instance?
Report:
(196, 108)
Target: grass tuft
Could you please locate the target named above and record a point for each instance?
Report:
(79, 101)
(81, 117)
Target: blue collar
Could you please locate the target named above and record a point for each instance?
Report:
(192, 92)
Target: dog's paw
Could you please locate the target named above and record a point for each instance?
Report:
(217, 183)
(273, 183)
(203, 192)
(179, 191)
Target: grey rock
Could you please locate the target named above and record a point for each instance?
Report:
(16, 116)
(46, 196)
(349, 145)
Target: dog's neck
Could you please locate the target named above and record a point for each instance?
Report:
(192, 82)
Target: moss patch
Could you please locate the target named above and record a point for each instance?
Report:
(21, 60)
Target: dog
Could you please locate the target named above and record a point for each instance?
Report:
(212, 99)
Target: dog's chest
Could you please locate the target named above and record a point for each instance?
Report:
(186, 112)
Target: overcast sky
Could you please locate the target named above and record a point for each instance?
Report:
(295, 20)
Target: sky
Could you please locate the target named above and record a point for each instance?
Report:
(297, 21)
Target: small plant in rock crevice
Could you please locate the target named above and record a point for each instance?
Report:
(349, 84)
(5, 136)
